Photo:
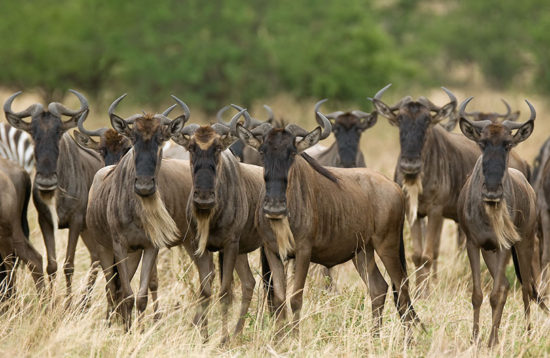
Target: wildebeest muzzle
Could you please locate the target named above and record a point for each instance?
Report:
(46, 182)
(145, 186)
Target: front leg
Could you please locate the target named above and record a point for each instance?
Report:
(46, 227)
(303, 257)
(75, 227)
(278, 283)
(148, 262)
(431, 248)
(230, 252)
(477, 294)
(247, 284)
(499, 293)
(127, 301)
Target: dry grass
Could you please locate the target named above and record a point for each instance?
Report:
(333, 324)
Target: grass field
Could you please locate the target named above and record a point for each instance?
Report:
(333, 324)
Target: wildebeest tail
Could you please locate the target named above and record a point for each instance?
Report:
(24, 220)
(516, 264)
(535, 296)
(220, 263)
(402, 257)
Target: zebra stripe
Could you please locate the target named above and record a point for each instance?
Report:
(17, 146)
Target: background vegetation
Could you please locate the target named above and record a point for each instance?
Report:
(211, 53)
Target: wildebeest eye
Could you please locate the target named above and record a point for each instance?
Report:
(507, 145)
(482, 144)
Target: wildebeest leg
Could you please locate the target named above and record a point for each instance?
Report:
(431, 249)
(477, 294)
(418, 247)
(148, 261)
(26, 252)
(153, 286)
(127, 301)
(106, 259)
(247, 285)
(460, 238)
(47, 229)
(499, 293)
(544, 244)
(75, 227)
(230, 252)
(93, 249)
(205, 267)
(303, 258)
(365, 265)
(279, 283)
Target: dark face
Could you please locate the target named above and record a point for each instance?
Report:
(347, 132)
(205, 148)
(495, 142)
(46, 132)
(413, 120)
(113, 146)
(278, 151)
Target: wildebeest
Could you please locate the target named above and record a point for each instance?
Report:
(64, 173)
(347, 128)
(222, 206)
(433, 166)
(14, 228)
(314, 214)
(540, 181)
(497, 212)
(138, 204)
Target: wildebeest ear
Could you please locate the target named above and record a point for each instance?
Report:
(443, 112)
(18, 122)
(524, 132)
(309, 140)
(181, 139)
(227, 140)
(120, 125)
(369, 121)
(469, 130)
(85, 141)
(384, 110)
(248, 137)
(177, 125)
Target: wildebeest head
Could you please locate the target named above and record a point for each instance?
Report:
(347, 128)
(147, 132)
(414, 119)
(493, 116)
(46, 128)
(495, 140)
(111, 145)
(205, 145)
(278, 148)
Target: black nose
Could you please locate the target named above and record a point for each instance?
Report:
(145, 186)
(410, 166)
(275, 208)
(492, 193)
(204, 199)
(46, 182)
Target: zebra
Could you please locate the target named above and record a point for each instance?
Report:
(17, 146)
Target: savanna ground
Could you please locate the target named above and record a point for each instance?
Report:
(336, 324)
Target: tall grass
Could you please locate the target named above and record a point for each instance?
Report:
(333, 324)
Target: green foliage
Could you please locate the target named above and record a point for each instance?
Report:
(212, 53)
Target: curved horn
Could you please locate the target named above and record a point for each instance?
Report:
(508, 109)
(452, 97)
(59, 109)
(219, 116)
(270, 115)
(515, 125)
(30, 111)
(319, 103)
(249, 122)
(233, 123)
(97, 133)
(379, 94)
(115, 104)
(359, 114)
(184, 106)
(325, 125)
(462, 114)
(296, 130)
(169, 109)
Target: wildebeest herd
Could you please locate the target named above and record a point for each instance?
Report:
(242, 185)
